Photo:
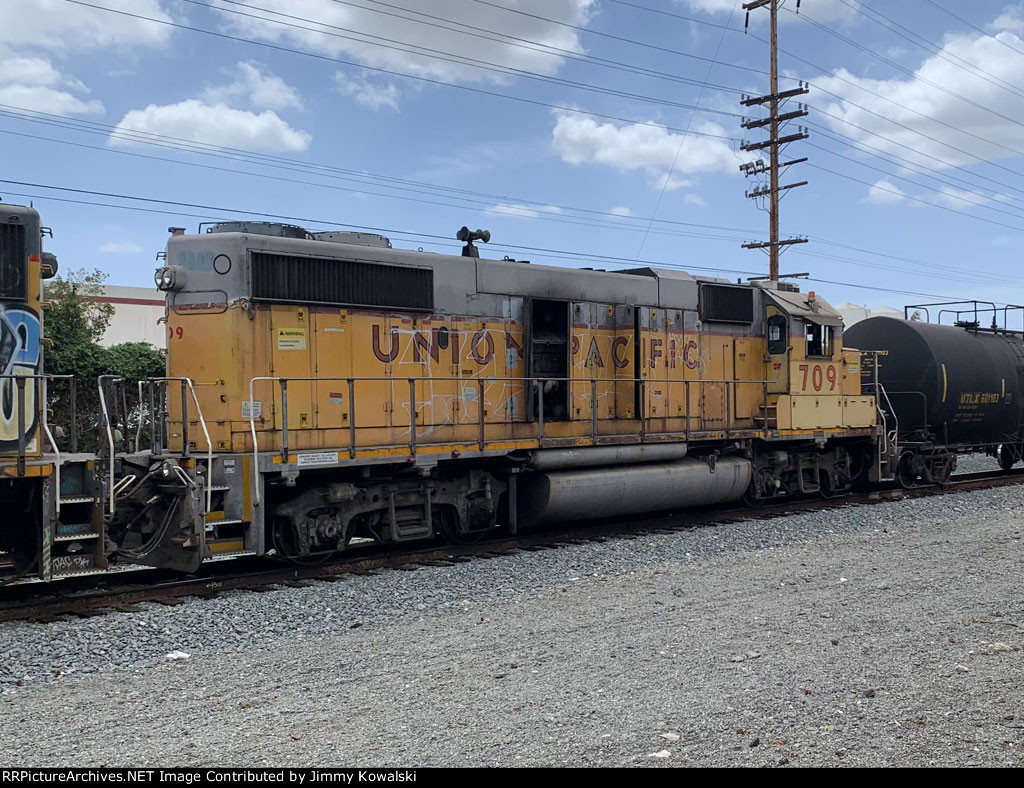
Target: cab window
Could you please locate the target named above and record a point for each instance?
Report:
(777, 335)
(819, 340)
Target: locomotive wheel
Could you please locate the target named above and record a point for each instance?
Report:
(907, 478)
(1006, 457)
(284, 542)
(750, 498)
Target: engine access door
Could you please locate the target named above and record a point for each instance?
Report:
(777, 350)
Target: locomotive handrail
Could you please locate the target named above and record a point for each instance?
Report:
(44, 424)
(110, 435)
(481, 381)
(187, 382)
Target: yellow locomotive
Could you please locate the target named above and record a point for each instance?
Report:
(323, 388)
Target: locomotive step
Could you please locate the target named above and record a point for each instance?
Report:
(64, 532)
(71, 499)
(211, 523)
(230, 554)
(75, 537)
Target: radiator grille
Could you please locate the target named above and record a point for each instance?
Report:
(13, 261)
(314, 280)
(724, 304)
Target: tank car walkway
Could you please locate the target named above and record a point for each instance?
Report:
(890, 635)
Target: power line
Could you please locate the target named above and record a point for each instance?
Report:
(475, 31)
(618, 225)
(1018, 213)
(613, 37)
(916, 199)
(682, 139)
(544, 214)
(552, 211)
(970, 24)
(909, 72)
(429, 80)
(333, 59)
(939, 51)
(448, 57)
(575, 109)
(392, 232)
(852, 103)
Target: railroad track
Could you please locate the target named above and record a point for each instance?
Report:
(102, 594)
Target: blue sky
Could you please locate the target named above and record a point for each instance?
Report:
(310, 109)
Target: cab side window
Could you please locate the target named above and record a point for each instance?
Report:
(777, 335)
(819, 340)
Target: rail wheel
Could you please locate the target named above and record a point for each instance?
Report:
(286, 543)
(751, 499)
(825, 486)
(1006, 457)
(905, 473)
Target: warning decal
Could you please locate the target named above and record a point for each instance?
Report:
(291, 339)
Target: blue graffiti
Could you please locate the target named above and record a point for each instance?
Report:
(20, 354)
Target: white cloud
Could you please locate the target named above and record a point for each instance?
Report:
(953, 116)
(1011, 21)
(885, 193)
(121, 248)
(694, 199)
(215, 124)
(669, 182)
(260, 88)
(649, 148)
(820, 9)
(961, 198)
(468, 43)
(621, 211)
(57, 26)
(366, 92)
(33, 83)
(520, 211)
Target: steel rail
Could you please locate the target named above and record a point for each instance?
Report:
(35, 601)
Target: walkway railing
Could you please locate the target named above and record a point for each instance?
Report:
(637, 389)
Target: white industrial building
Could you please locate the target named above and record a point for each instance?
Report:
(854, 313)
(138, 315)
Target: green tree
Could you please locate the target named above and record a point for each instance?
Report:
(74, 322)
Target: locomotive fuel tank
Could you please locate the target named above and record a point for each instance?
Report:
(595, 493)
(964, 386)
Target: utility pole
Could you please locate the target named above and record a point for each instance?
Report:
(775, 142)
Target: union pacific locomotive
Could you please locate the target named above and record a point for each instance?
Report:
(326, 389)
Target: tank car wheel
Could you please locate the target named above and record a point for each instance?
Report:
(906, 476)
(1006, 457)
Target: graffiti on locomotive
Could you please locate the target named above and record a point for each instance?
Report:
(19, 355)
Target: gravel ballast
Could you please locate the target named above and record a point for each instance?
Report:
(869, 635)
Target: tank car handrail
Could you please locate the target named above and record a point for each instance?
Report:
(972, 307)
(641, 381)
